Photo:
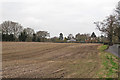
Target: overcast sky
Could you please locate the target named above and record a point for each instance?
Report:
(56, 16)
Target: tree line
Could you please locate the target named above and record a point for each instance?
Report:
(13, 31)
(78, 38)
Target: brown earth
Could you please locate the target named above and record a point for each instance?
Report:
(49, 60)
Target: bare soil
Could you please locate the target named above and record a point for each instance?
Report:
(49, 60)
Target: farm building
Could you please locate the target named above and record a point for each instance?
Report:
(71, 40)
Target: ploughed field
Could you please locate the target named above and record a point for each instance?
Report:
(49, 60)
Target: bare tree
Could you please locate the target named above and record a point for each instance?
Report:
(6, 27)
(70, 36)
(78, 37)
(117, 30)
(16, 29)
(41, 35)
(29, 31)
(9, 27)
(107, 26)
(82, 37)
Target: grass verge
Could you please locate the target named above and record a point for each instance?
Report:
(109, 67)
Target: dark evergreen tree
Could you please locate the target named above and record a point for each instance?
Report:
(38, 39)
(61, 36)
(3, 37)
(34, 37)
(11, 37)
(23, 36)
(93, 35)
